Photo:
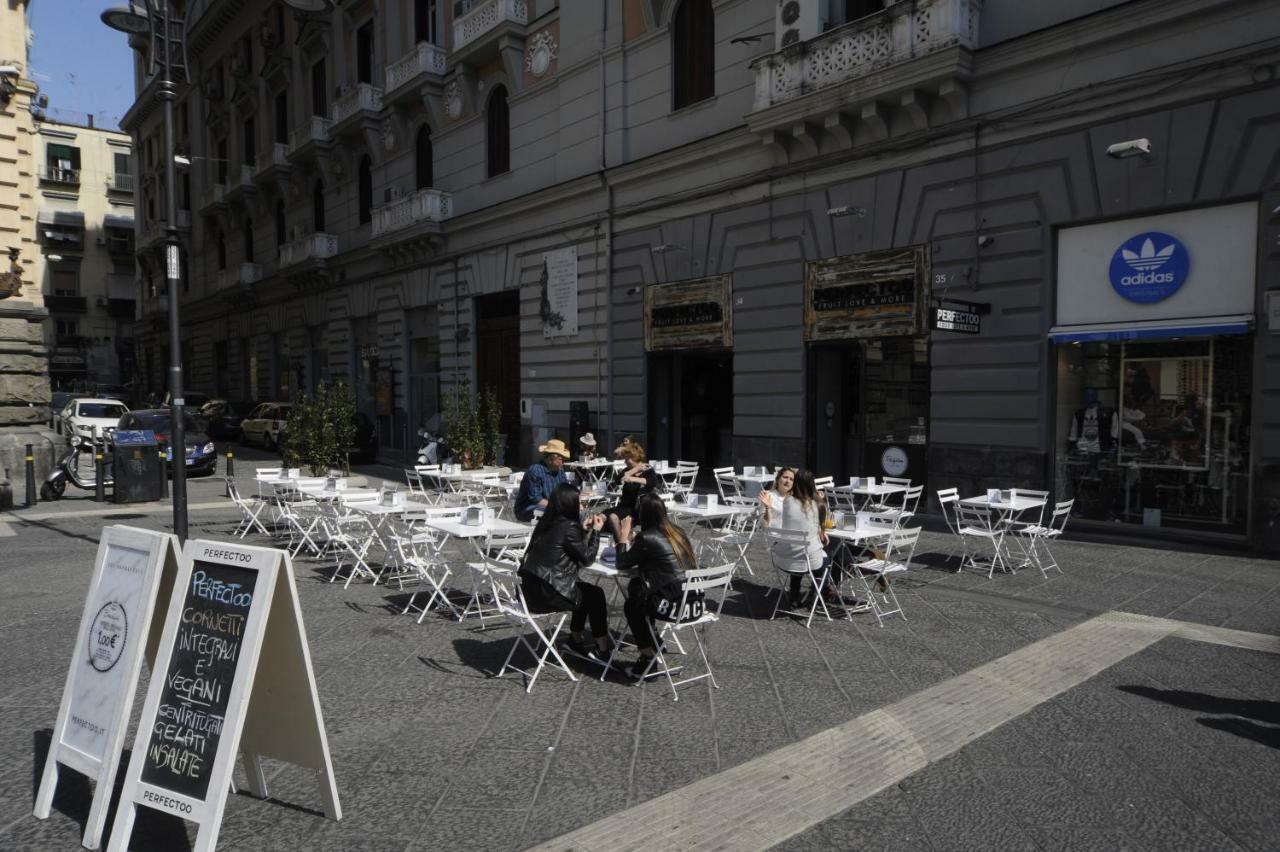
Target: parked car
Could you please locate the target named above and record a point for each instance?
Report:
(366, 446)
(57, 401)
(223, 418)
(201, 456)
(81, 414)
(264, 426)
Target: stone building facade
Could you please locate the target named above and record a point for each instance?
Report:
(728, 228)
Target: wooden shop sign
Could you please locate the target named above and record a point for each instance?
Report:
(874, 294)
(688, 314)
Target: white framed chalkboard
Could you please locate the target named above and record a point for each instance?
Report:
(132, 576)
(233, 615)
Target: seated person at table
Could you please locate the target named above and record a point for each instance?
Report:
(659, 555)
(559, 548)
(541, 479)
(637, 479)
(771, 499)
(587, 450)
(800, 511)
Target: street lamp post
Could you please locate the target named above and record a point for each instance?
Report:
(167, 32)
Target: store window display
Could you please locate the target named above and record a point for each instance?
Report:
(1156, 432)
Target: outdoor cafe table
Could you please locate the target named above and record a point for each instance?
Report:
(861, 538)
(1008, 511)
(879, 491)
(754, 483)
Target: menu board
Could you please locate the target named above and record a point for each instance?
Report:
(204, 658)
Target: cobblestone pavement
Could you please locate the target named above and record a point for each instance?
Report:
(1174, 746)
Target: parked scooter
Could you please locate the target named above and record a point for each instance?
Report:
(435, 449)
(68, 469)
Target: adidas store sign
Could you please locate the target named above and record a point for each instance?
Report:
(1149, 267)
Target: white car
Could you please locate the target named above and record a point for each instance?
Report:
(265, 424)
(80, 416)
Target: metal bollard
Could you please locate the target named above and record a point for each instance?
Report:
(99, 471)
(164, 473)
(31, 476)
(231, 471)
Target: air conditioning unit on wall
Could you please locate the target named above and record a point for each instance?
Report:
(798, 20)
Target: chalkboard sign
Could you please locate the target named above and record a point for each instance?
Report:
(234, 615)
(132, 577)
(197, 684)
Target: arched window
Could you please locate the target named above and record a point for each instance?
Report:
(499, 132)
(222, 250)
(248, 240)
(280, 224)
(317, 206)
(365, 191)
(693, 49)
(423, 158)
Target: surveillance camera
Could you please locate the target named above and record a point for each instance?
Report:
(9, 71)
(1132, 148)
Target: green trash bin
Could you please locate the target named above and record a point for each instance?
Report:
(136, 466)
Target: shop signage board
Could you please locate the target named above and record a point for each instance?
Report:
(132, 575)
(956, 316)
(559, 308)
(874, 294)
(688, 314)
(233, 674)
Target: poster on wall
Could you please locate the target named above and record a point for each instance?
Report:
(874, 294)
(688, 314)
(559, 306)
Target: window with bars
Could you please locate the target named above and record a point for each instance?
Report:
(693, 45)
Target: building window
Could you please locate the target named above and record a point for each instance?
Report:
(855, 9)
(248, 241)
(282, 117)
(250, 142)
(319, 93)
(499, 132)
(317, 206)
(424, 21)
(184, 191)
(66, 282)
(423, 158)
(365, 190)
(62, 163)
(183, 272)
(693, 45)
(364, 53)
(66, 328)
(280, 224)
(222, 160)
(222, 250)
(122, 166)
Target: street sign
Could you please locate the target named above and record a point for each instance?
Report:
(133, 573)
(234, 615)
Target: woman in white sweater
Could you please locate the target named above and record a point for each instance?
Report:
(771, 498)
(801, 511)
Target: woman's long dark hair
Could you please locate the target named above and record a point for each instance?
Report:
(652, 514)
(563, 503)
(803, 488)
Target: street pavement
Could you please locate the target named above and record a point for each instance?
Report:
(1170, 742)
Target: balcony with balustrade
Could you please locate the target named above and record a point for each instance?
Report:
(356, 109)
(411, 225)
(213, 199)
(275, 166)
(835, 91)
(312, 138)
(488, 30)
(120, 183)
(240, 278)
(241, 188)
(426, 63)
(309, 251)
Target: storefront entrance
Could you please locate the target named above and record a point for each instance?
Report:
(691, 408)
(498, 363)
(869, 408)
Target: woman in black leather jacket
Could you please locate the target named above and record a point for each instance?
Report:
(560, 547)
(659, 554)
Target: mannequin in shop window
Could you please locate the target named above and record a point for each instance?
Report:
(1093, 427)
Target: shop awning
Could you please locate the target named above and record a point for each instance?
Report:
(112, 220)
(1154, 330)
(66, 218)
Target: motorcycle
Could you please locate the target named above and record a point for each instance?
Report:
(435, 449)
(68, 469)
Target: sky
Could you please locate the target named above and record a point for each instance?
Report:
(80, 64)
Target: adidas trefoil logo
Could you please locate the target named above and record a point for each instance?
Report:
(1148, 259)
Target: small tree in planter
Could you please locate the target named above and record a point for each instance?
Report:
(471, 425)
(321, 428)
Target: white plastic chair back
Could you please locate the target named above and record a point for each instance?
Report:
(726, 483)
(949, 502)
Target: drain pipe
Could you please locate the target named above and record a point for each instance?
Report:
(608, 231)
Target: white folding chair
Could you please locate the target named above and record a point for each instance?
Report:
(545, 627)
(948, 503)
(794, 561)
(727, 483)
(732, 541)
(882, 568)
(420, 556)
(499, 555)
(349, 532)
(906, 509)
(1038, 537)
(249, 510)
(825, 484)
(979, 525)
(692, 614)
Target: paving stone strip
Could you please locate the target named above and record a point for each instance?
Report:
(764, 801)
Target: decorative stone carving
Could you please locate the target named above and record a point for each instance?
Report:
(542, 52)
(388, 135)
(453, 100)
